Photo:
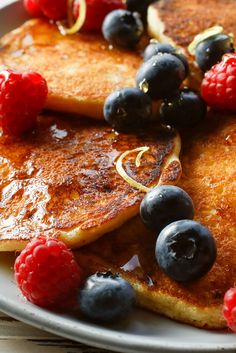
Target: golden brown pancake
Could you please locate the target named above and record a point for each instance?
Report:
(61, 179)
(210, 178)
(81, 69)
(179, 21)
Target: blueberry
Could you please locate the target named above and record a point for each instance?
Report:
(128, 109)
(140, 6)
(122, 28)
(165, 204)
(185, 250)
(184, 61)
(185, 108)
(106, 297)
(160, 76)
(210, 51)
(155, 48)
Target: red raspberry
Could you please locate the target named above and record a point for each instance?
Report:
(32, 8)
(219, 84)
(96, 11)
(53, 9)
(22, 97)
(47, 273)
(229, 309)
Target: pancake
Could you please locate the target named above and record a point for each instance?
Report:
(177, 22)
(61, 180)
(81, 69)
(210, 179)
(209, 176)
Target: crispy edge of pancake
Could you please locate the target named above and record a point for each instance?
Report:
(179, 310)
(77, 237)
(156, 27)
(85, 108)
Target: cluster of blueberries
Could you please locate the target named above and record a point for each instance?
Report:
(185, 249)
(159, 77)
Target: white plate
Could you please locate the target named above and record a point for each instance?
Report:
(143, 332)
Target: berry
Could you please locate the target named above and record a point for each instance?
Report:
(155, 48)
(184, 62)
(140, 6)
(229, 308)
(96, 11)
(218, 87)
(22, 97)
(106, 297)
(32, 8)
(185, 250)
(160, 76)
(122, 28)
(165, 204)
(211, 50)
(46, 272)
(184, 108)
(127, 109)
(55, 10)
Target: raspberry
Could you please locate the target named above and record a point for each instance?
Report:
(47, 273)
(32, 8)
(96, 11)
(229, 308)
(22, 97)
(219, 84)
(53, 9)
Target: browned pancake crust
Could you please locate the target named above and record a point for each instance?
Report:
(184, 19)
(81, 69)
(62, 177)
(209, 169)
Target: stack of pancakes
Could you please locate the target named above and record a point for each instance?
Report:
(61, 179)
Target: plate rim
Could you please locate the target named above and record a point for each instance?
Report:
(88, 333)
(100, 337)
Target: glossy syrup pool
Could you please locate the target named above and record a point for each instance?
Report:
(63, 175)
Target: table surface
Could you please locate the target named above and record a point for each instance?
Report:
(17, 337)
